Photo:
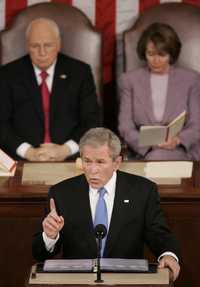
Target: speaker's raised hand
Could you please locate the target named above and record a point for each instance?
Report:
(53, 223)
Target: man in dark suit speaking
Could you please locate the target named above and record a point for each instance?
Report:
(48, 100)
(130, 204)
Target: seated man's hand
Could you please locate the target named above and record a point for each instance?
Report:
(53, 223)
(33, 154)
(170, 262)
(54, 152)
(170, 144)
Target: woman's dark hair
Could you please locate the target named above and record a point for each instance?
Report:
(163, 37)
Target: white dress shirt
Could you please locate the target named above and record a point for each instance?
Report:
(22, 149)
(94, 196)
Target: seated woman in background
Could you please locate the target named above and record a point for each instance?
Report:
(157, 93)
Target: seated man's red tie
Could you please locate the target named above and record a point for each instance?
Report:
(45, 101)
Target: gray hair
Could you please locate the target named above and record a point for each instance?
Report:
(51, 23)
(97, 137)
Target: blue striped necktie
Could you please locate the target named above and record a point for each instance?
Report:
(101, 214)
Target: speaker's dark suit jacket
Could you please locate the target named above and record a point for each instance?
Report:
(136, 219)
(73, 103)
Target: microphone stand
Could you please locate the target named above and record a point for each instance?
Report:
(100, 232)
(99, 280)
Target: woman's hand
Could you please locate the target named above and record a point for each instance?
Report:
(170, 144)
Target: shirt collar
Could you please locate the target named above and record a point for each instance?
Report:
(50, 70)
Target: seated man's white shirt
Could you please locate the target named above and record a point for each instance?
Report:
(73, 146)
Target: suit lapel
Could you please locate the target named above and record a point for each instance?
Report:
(86, 215)
(171, 96)
(121, 207)
(59, 87)
(146, 96)
(33, 88)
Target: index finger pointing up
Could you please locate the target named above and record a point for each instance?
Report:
(52, 205)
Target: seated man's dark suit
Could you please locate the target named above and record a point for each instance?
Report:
(136, 219)
(73, 103)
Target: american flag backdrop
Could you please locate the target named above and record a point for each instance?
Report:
(111, 17)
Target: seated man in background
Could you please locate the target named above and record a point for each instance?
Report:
(130, 210)
(48, 99)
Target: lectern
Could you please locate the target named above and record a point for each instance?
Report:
(44, 279)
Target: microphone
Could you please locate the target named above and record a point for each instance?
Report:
(100, 232)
